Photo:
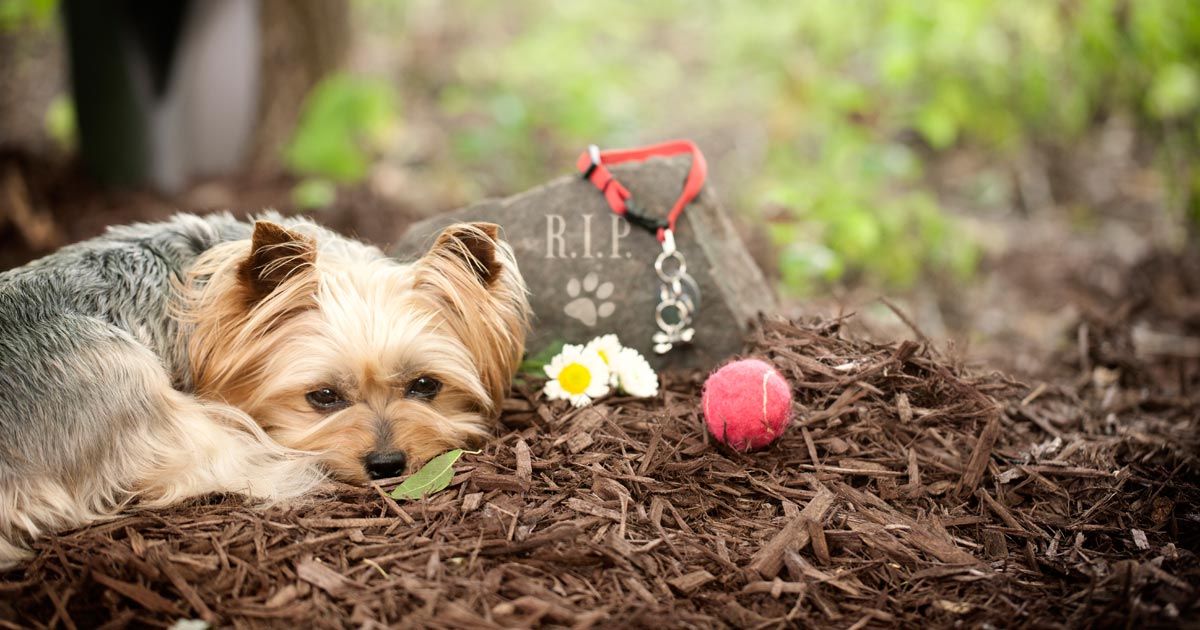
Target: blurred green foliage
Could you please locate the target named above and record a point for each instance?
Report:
(846, 101)
(314, 193)
(346, 123)
(60, 123)
(15, 14)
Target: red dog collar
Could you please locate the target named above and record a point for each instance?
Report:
(592, 165)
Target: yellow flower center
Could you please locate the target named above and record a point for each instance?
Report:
(575, 379)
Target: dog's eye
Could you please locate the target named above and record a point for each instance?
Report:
(326, 399)
(423, 388)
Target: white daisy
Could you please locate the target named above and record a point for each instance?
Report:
(578, 375)
(634, 374)
(607, 346)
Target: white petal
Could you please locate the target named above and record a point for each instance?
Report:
(554, 391)
(635, 376)
(609, 345)
(644, 389)
(597, 389)
(606, 341)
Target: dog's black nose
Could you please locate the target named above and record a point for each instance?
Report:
(384, 465)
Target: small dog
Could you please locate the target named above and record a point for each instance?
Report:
(205, 354)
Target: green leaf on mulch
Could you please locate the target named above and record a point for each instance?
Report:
(433, 477)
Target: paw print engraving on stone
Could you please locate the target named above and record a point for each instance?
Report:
(585, 296)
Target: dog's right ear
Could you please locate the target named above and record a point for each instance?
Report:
(474, 247)
(276, 254)
(471, 274)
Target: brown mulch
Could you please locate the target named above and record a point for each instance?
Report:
(910, 491)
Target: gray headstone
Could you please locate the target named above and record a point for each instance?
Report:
(590, 272)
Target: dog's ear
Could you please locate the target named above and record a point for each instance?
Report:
(276, 254)
(474, 246)
(472, 277)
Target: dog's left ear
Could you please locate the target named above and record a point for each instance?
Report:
(473, 245)
(276, 254)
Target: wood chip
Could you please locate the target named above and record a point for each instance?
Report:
(472, 501)
(186, 591)
(1139, 539)
(579, 441)
(980, 456)
(143, 596)
(586, 507)
(324, 578)
(524, 462)
(794, 536)
(994, 544)
(691, 582)
(903, 408)
(999, 510)
(491, 481)
(283, 597)
(816, 534)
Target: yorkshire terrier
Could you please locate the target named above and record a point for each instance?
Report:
(210, 355)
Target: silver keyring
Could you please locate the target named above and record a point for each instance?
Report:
(665, 294)
(680, 307)
(662, 258)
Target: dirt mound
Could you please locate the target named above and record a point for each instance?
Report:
(910, 491)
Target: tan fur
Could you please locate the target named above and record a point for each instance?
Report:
(349, 319)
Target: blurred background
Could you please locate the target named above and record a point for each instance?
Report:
(1001, 169)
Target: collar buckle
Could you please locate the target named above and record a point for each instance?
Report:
(636, 214)
(593, 152)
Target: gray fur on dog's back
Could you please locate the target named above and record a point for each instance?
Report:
(70, 320)
(122, 278)
(67, 394)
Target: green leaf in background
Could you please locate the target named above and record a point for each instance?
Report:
(346, 121)
(1176, 91)
(15, 14)
(60, 122)
(433, 477)
(314, 193)
(938, 126)
(804, 266)
(855, 232)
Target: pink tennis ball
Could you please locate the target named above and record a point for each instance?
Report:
(747, 404)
